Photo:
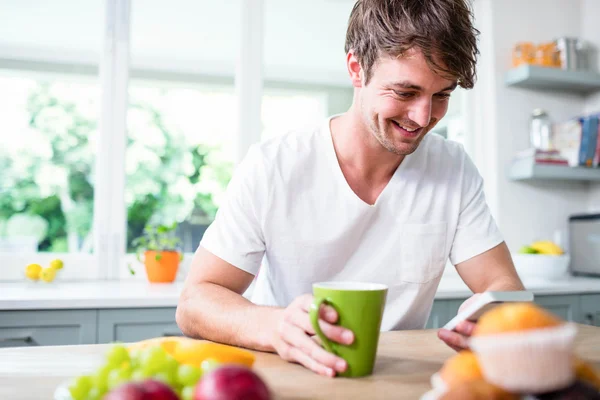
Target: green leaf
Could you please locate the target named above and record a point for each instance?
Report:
(158, 256)
(131, 271)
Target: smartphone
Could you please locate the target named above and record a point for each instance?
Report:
(486, 302)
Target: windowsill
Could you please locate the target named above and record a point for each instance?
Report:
(142, 294)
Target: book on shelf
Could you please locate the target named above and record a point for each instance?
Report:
(538, 156)
(578, 141)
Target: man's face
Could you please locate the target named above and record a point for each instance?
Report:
(403, 100)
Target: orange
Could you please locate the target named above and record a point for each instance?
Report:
(193, 352)
(462, 367)
(512, 317)
(586, 372)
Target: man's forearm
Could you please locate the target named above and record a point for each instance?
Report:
(505, 284)
(215, 313)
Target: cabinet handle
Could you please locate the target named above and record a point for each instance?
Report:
(172, 334)
(16, 341)
(589, 319)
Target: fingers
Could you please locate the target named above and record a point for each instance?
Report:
(326, 313)
(298, 356)
(453, 339)
(465, 328)
(321, 360)
(327, 317)
(333, 332)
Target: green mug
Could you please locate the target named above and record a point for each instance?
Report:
(360, 309)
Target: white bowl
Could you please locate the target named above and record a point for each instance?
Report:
(542, 265)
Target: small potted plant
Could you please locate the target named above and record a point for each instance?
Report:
(159, 247)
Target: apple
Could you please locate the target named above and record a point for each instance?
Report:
(127, 391)
(231, 382)
(157, 390)
(147, 390)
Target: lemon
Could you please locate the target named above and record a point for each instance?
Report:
(48, 274)
(32, 271)
(56, 264)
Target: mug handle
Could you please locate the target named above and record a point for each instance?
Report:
(314, 320)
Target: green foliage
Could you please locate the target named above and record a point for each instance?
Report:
(172, 179)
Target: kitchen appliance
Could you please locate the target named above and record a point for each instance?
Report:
(573, 53)
(584, 241)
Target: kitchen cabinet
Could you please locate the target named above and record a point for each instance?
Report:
(47, 327)
(590, 309)
(439, 315)
(133, 324)
(442, 312)
(575, 308)
(564, 306)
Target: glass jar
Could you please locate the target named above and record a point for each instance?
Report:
(540, 131)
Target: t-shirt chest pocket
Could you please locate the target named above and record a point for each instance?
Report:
(422, 252)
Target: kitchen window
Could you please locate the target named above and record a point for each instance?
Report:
(175, 149)
(118, 113)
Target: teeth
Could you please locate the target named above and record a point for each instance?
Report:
(405, 128)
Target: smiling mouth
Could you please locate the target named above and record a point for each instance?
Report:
(407, 131)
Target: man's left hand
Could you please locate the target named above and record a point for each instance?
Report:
(458, 339)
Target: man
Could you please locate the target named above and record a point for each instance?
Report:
(367, 197)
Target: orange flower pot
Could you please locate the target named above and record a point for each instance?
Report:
(161, 266)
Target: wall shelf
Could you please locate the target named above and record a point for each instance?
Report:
(535, 77)
(526, 170)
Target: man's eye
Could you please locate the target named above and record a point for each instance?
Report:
(404, 95)
(443, 95)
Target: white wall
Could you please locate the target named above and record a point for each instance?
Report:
(524, 211)
(591, 32)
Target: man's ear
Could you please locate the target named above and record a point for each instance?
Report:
(354, 70)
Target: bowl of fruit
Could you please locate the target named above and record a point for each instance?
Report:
(543, 260)
(169, 369)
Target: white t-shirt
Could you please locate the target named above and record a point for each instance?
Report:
(290, 212)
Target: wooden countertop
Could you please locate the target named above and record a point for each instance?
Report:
(406, 360)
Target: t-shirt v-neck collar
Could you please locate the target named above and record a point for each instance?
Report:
(339, 174)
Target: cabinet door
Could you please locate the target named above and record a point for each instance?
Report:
(438, 315)
(47, 327)
(590, 309)
(564, 306)
(133, 324)
(453, 306)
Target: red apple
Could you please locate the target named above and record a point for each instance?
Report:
(157, 390)
(127, 391)
(231, 382)
(147, 390)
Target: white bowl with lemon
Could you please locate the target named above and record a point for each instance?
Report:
(543, 260)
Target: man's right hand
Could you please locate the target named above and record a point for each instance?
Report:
(293, 337)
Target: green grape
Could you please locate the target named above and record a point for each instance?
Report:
(118, 376)
(117, 355)
(188, 374)
(167, 377)
(95, 394)
(187, 393)
(152, 359)
(170, 364)
(80, 387)
(208, 365)
(100, 380)
(135, 357)
(139, 375)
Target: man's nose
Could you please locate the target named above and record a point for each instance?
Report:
(421, 113)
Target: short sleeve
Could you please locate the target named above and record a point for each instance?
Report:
(236, 234)
(476, 230)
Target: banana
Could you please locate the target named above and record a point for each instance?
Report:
(547, 247)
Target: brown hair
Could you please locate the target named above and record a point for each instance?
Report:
(441, 29)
